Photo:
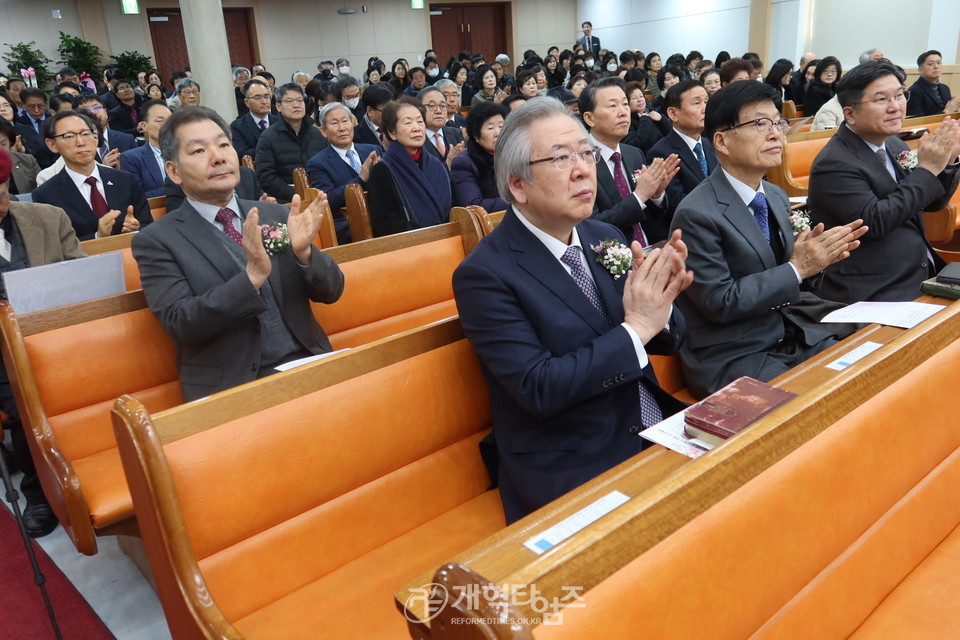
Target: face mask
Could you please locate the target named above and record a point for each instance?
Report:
(612, 67)
(589, 64)
(352, 103)
(433, 73)
(344, 70)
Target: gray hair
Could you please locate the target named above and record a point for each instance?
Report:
(444, 83)
(326, 109)
(186, 83)
(515, 146)
(427, 89)
(296, 74)
(238, 70)
(865, 56)
(502, 59)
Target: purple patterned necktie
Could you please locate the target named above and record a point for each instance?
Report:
(225, 218)
(620, 179)
(760, 214)
(650, 412)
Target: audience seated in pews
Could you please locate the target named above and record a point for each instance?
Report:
(30, 235)
(472, 176)
(823, 86)
(640, 212)
(446, 143)
(410, 187)
(928, 96)
(749, 309)
(145, 162)
(126, 116)
(563, 342)
(255, 120)
(24, 170)
(343, 162)
(100, 201)
(646, 126)
(861, 173)
(368, 129)
(288, 144)
(251, 312)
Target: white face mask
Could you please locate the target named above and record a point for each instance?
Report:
(612, 67)
(352, 103)
(589, 64)
(433, 73)
(344, 70)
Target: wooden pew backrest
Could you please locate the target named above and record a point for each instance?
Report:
(358, 213)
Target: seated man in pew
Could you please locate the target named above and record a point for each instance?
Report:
(30, 235)
(563, 340)
(859, 173)
(234, 311)
(145, 162)
(748, 311)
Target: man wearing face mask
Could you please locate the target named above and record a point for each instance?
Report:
(348, 92)
(343, 70)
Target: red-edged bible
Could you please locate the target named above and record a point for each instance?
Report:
(729, 410)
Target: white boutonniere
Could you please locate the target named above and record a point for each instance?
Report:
(614, 256)
(636, 176)
(908, 160)
(275, 237)
(799, 221)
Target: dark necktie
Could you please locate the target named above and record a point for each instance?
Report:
(263, 126)
(38, 125)
(620, 179)
(97, 203)
(225, 218)
(882, 157)
(761, 213)
(380, 135)
(702, 159)
(649, 409)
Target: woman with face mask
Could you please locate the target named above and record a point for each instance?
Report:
(432, 66)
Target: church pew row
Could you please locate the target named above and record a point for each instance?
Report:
(67, 365)
(666, 491)
(855, 534)
(292, 506)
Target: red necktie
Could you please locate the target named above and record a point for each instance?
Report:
(380, 133)
(621, 181)
(225, 218)
(97, 203)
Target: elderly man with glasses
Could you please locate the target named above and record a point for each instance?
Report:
(564, 335)
(751, 309)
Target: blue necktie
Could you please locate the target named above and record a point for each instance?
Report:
(760, 214)
(354, 161)
(698, 151)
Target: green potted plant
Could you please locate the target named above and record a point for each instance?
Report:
(132, 63)
(79, 54)
(26, 61)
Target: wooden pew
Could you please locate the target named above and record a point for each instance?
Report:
(853, 535)
(667, 491)
(301, 181)
(358, 213)
(247, 161)
(113, 346)
(291, 506)
(158, 206)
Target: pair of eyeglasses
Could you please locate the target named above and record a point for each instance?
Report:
(72, 136)
(764, 125)
(883, 101)
(290, 101)
(568, 159)
(435, 106)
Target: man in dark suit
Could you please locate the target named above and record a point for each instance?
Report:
(449, 89)
(747, 310)
(368, 129)
(590, 43)
(444, 142)
(341, 163)
(241, 75)
(34, 108)
(145, 162)
(100, 201)
(686, 105)
(114, 142)
(928, 96)
(234, 311)
(248, 127)
(640, 212)
(563, 342)
(30, 235)
(859, 173)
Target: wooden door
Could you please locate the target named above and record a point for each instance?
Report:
(169, 45)
(475, 27)
(239, 38)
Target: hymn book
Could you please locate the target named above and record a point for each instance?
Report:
(731, 409)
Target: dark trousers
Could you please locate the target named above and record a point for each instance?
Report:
(30, 484)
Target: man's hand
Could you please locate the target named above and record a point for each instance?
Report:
(265, 197)
(303, 226)
(105, 225)
(650, 290)
(816, 248)
(940, 148)
(112, 159)
(371, 160)
(655, 177)
(953, 104)
(453, 152)
(258, 262)
(130, 223)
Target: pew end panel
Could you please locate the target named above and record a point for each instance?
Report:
(358, 213)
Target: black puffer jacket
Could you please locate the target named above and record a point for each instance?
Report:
(280, 151)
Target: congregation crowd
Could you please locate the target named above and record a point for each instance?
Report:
(666, 156)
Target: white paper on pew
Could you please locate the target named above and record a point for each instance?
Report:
(895, 314)
(669, 433)
(302, 361)
(68, 282)
(566, 528)
(853, 356)
(798, 199)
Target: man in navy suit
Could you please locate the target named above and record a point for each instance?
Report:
(444, 142)
(248, 127)
(562, 340)
(341, 163)
(368, 129)
(590, 44)
(145, 162)
(686, 105)
(635, 204)
(98, 200)
(114, 142)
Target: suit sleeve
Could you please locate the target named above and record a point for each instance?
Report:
(542, 383)
(69, 244)
(716, 292)
(266, 162)
(321, 178)
(241, 143)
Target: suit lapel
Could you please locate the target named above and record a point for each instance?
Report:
(32, 235)
(69, 187)
(199, 233)
(606, 183)
(782, 216)
(609, 289)
(686, 156)
(741, 218)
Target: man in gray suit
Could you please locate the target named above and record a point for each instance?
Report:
(747, 311)
(234, 311)
(859, 174)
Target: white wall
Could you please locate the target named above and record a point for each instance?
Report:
(944, 30)
(26, 21)
(788, 30)
(669, 26)
(541, 24)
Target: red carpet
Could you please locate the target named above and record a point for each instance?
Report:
(22, 612)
